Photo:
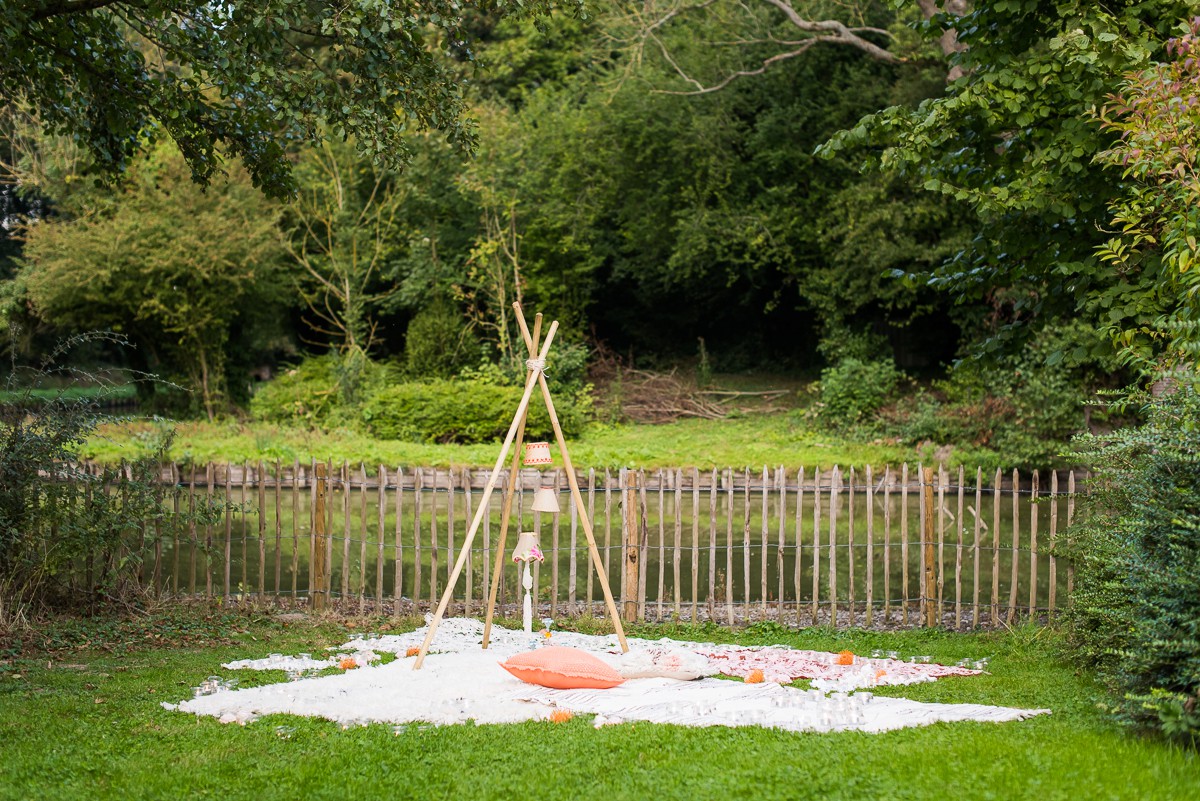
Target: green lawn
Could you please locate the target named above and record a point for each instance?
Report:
(83, 720)
(754, 440)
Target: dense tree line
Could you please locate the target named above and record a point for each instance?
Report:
(651, 176)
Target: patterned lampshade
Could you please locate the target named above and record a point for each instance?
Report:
(527, 548)
(537, 454)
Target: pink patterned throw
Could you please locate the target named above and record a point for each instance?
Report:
(782, 665)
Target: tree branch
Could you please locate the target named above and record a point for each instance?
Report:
(818, 31)
(71, 7)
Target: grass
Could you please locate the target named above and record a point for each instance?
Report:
(754, 440)
(80, 717)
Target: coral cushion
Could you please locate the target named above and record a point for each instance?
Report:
(562, 669)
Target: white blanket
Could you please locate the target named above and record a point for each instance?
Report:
(459, 682)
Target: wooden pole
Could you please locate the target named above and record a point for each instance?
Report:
(870, 478)
(530, 381)
(835, 485)
(1052, 600)
(319, 582)
(573, 481)
(929, 599)
(816, 541)
(1016, 546)
(632, 544)
(514, 474)
(975, 550)
(904, 597)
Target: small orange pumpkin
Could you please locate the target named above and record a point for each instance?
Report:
(845, 658)
(412, 651)
(349, 663)
(755, 677)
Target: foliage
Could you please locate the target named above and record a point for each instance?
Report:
(1012, 138)
(1014, 410)
(190, 276)
(54, 513)
(309, 393)
(437, 343)
(1137, 556)
(660, 218)
(462, 411)
(1156, 114)
(342, 232)
(853, 390)
(240, 80)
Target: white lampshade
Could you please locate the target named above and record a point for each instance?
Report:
(545, 500)
(527, 548)
(537, 453)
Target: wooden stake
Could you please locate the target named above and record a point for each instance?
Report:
(535, 377)
(1033, 546)
(1053, 540)
(816, 550)
(1016, 541)
(904, 594)
(958, 554)
(835, 485)
(510, 488)
(319, 580)
(631, 544)
(929, 596)
(870, 546)
(975, 558)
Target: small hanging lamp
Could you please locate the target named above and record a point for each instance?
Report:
(537, 454)
(545, 499)
(527, 550)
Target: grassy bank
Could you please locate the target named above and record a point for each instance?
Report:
(758, 439)
(80, 717)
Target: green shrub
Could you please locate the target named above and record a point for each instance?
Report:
(462, 411)
(1136, 551)
(317, 391)
(437, 343)
(853, 390)
(1015, 411)
(54, 514)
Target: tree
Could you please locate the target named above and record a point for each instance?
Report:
(1014, 140)
(744, 39)
(177, 269)
(237, 79)
(1156, 218)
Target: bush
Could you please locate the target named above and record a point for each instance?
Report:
(54, 514)
(313, 392)
(1013, 411)
(437, 343)
(853, 390)
(1136, 550)
(462, 411)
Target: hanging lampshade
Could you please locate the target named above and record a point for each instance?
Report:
(537, 454)
(545, 500)
(527, 548)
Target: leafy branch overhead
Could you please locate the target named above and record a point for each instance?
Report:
(241, 80)
(744, 39)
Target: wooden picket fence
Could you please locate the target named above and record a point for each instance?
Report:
(892, 546)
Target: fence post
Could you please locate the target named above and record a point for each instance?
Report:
(929, 596)
(320, 570)
(631, 531)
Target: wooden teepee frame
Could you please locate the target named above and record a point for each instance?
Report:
(516, 432)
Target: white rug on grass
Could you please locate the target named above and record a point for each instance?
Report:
(460, 682)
